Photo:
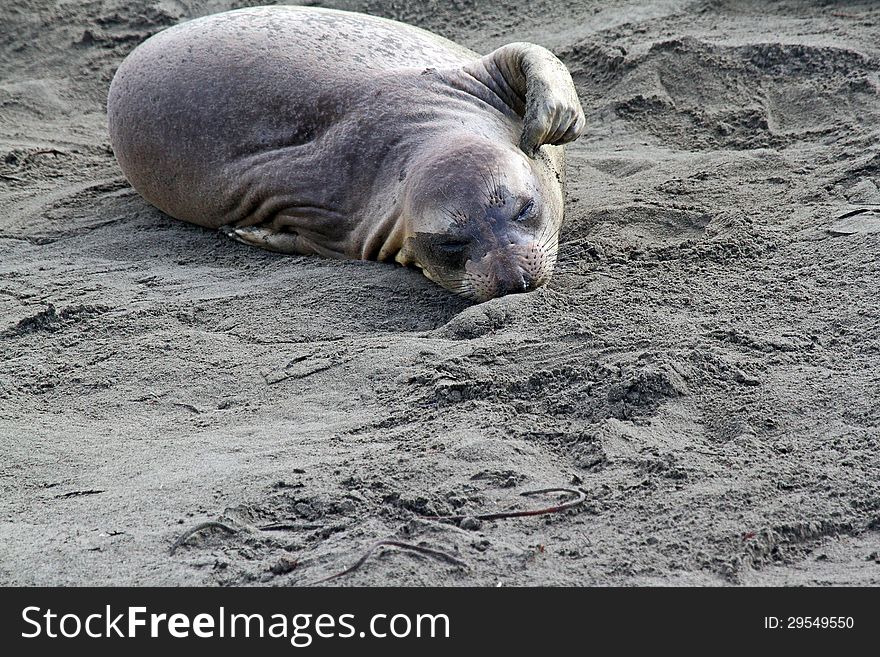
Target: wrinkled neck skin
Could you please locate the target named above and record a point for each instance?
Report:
(486, 79)
(414, 134)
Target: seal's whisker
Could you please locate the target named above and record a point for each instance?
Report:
(455, 284)
(553, 235)
(566, 247)
(542, 238)
(462, 287)
(549, 243)
(456, 216)
(549, 233)
(496, 185)
(450, 207)
(553, 231)
(485, 180)
(491, 189)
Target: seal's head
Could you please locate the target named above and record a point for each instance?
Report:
(483, 219)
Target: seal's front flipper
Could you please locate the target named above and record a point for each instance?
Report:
(299, 230)
(265, 237)
(536, 85)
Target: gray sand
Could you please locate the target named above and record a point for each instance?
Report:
(705, 365)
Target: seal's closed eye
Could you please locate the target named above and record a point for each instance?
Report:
(452, 247)
(527, 211)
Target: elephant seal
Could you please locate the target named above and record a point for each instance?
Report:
(316, 131)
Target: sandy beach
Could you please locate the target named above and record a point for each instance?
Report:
(704, 365)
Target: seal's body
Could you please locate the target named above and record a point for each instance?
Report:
(308, 130)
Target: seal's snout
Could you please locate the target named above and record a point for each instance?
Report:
(516, 283)
(510, 270)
